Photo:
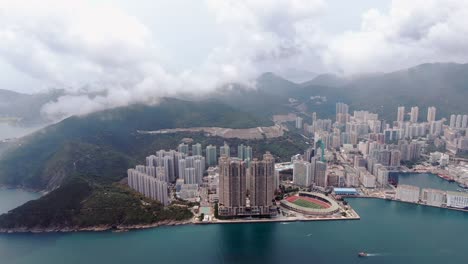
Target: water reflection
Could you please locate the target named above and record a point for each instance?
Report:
(246, 243)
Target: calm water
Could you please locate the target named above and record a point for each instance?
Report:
(424, 180)
(393, 232)
(10, 199)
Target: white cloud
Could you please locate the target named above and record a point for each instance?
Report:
(410, 33)
(90, 47)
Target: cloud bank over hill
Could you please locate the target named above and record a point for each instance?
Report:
(99, 49)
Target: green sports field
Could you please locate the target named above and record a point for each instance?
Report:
(307, 204)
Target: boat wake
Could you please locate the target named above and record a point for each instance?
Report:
(309, 235)
(285, 223)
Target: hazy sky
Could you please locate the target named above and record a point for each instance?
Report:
(140, 50)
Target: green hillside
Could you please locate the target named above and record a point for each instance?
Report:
(104, 144)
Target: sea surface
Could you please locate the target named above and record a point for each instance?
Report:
(390, 231)
(11, 198)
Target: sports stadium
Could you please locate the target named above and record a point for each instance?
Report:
(308, 203)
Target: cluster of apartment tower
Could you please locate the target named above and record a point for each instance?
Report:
(381, 146)
(246, 185)
(246, 188)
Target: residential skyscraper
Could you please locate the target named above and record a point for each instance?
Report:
(299, 122)
(197, 150)
(414, 114)
(302, 173)
(464, 121)
(401, 114)
(232, 185)
(225, 150)
(211, 155)
(183, 148)
(453, 120)
(431, 114)
(262, 187)
(342, 113)
(458, 123)
(240, 151)
(320, 174)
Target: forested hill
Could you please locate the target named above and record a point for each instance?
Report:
(104, 144)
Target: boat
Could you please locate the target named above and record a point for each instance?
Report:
(464, 186)
(362, 254)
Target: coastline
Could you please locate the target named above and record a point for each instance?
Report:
(102, 228)
(125, 228)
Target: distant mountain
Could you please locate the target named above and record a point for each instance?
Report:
(329, 80)
(26, 107)
(444, 85)
(297, 75)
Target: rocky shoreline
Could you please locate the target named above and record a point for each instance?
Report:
(101, 228)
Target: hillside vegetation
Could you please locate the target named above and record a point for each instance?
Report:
(103, 144)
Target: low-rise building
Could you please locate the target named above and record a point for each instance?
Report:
(434, 197)
(407, 193)
(457, 199)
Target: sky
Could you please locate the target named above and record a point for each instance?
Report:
(137, 51)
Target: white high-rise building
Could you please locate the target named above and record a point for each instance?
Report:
(414, 114)
(225, 150)
(299, 122)
(149, 186)
(464, 121)
(458, 122)
(431, 114)
(197, 150)
(189, 176)
(453, 121)
(302, 173)
(401, 114)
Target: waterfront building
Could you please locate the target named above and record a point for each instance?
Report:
(197, 150)
(367, 180)
(352, 179)
(211, 155)
(401, 114)
(414, 114)
(407, 193)
(431, 114)
(457, 199)
(434, 197)
(262, 189)
(232, 185)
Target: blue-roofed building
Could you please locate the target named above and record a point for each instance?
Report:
(345, 191)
